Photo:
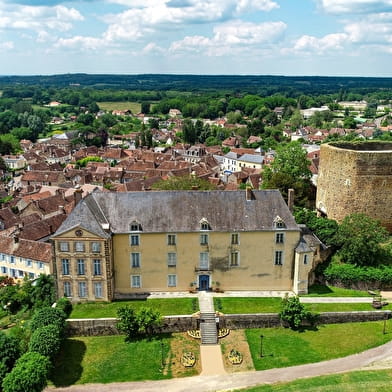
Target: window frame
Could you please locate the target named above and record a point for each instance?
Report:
(204, 239)
(97, 266)
(235, 239)
(81, 267)
(139, 283)
(172, 239)
(82, 291)
(278, 258)
(79, 246)
(65, 267)
(63, 246)
(235, 258)
(171, 260)
(100, 290)
(134, 239)
(135, 260)
(68, 290)
(279, 238)
(95, 247)
(306, 259)
(171, 280)
(204, 261)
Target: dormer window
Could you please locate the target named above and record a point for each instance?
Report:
(204, 225)
(135, 226)
(279, 223)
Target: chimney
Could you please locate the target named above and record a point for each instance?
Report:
(290, 199)
(78, 195)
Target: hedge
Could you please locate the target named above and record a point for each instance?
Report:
(46, 341)
(350, 273)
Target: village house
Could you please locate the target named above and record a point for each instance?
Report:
(20, 258)
(120, 245)
(14, 162)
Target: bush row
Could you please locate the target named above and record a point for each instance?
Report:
(30, 371)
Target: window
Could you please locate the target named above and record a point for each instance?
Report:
(4, 270)
(3, 257)
(203, 239)
(135, 260)
(67, 289)
(97, 267)
(279, 238)
(29, 263)
(95, 247)
(12, 259)
(306, 259)
(81, 267)
(20, 273)
(278, 257)
(136, 281)
(172, 280)
(171, 239)
(98, 290)
(65, 266)
(205, 226)
(13, 272)
(82, 286)
(234, 259)
(64, 246)
(203, 260)
(135, 240)
(235, 239)
(79, 246)
(40, 265)
(135, 226)
(31, 275)
(280, 224)
(172, 259)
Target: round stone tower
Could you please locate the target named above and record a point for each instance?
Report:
(356, 177)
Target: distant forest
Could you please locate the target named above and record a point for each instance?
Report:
(264, 85)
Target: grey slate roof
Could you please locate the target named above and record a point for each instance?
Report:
(180, 211)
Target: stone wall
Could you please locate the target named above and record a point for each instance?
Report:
(356, 177)
(107, 326)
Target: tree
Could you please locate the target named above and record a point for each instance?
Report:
(145, 107)
(360, 238)
(293, 312)
(9, 353)
(43, 291)
(183, 183)
(290, 169)
(29, 374)
(133, 323)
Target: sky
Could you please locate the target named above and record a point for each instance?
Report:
(236, 37)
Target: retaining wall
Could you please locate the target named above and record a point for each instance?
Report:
(107, 326)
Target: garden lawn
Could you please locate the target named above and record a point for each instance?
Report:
(284, 347)
(166, 307)
(106, 359)
(361, 381)
(318, 290)
(239, 305)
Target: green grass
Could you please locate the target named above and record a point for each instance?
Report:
(106, 359)
(134, 107)
(247, 305)
(359, 381)
(347, 307)
(318, 290)
(166, 306)
(284, 347)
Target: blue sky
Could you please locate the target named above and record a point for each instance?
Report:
(277, 37)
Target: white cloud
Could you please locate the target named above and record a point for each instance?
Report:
(235, 35)
(36, 18)
(260, 5)
(313, 45)
(152, 48)
(356, 6)
(6, 45)
(80, 42)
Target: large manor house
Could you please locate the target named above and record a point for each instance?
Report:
(124, 245)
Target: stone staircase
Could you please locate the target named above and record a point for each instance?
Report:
(208, 330)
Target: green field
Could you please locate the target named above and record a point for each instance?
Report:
(106, 359)
(318, 290)
(284, 347)
(166, 307)
(359, 381)
(134, 107)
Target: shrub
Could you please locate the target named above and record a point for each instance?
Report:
(46, 316)
(29, 374)
(65, 305)
(9, 353)
(46, 341)
(294, 312)
(137, 323)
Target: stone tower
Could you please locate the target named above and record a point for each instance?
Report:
(356, 177)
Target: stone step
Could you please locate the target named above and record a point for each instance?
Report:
(209, 334)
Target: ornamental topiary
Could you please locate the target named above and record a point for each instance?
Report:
(47, 316)
(46, 341)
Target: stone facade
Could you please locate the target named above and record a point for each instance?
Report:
(356, 178)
